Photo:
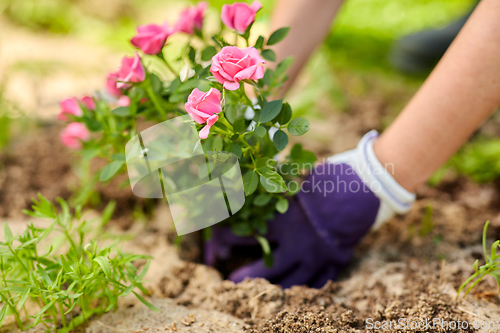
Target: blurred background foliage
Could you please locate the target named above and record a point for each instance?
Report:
(351, 64)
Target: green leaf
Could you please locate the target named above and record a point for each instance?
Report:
(268, 78)
(280, 140)
(144, 271)
(103, 262)
(241, 229)
(304, 158)
(250, 182)
(259, 43)
(494, 247)
(146, 303)
(233, 111)
(118, 157)
(273, 182)
(298, 126)
(296, 151)
(122, 111)
(45, 277)
(235, 149)
(261, 200)
(65, 264)
(260, 225)
(270, 110)
(260, 131)
(89, 154)
(265, 164)
(45, 308)
(269, 54)
(283, 66)
(266, 249)
(108, 213)
(2, 314)
(23, 299)
(156, 84)
(73, 296)
(239, 125)
(92, 124)
(220, 40)
(110, 170)
(208, 53)
(278, 36)
(282, 205)
(192, 55)
(217, 144)
(7, 233)
(285, 114)
(127, 291)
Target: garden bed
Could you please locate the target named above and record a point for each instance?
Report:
(410, 268)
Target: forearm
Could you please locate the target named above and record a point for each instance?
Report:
(309, 22)
(459, 95)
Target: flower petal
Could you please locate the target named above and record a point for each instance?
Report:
(231, 85)
(206, 130)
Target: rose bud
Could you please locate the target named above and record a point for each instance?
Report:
(151, 38)
(239, 16)
(88, 102)
(73, 135)
(131, 70)
(111, 84)
(232, 65)
(203, 108)
(69, 106)
(191, 18)
(123, 101)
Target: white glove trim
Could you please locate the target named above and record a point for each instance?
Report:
(393, 197)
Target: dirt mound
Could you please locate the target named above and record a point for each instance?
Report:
(39, 163)
(33, 164)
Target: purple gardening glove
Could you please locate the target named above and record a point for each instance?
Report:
(338, 204)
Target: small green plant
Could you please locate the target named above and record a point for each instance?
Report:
(427, 224)
(477, 160)
(491, 267)
(71, 278)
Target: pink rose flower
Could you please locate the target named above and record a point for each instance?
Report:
(239, 16)
(88, 102)
(123, 101)
(69, 106)
(131, 70)
(73, 135)
(191, 18)
(151, 38)
(231, 65)
(203, 108)
(111, 84)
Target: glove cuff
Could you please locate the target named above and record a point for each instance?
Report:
(394, 198)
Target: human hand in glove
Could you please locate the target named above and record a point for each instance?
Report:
(339, 202)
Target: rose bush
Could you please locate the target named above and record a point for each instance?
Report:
(208, 83)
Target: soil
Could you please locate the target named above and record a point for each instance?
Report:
(410, 268)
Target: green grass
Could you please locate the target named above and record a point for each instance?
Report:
(365, 29)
